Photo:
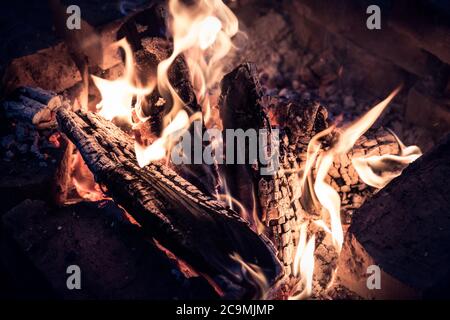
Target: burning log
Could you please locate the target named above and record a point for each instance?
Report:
(403, 230)
(242, 105)
(34, 106)
(154, 50)
(192, 225)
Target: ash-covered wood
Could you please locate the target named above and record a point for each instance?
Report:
(34, 106)
(404, 229)
(193, 226)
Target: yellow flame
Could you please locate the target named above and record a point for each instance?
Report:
(117, 95)
(355, 130)
(327, 196)
(202, 32)
(159, 148)
(300, 247)
(306, 269)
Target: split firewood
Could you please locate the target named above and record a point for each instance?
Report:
(302, 119)
(34, 106)
(282, 211)
(192, 225)
(398, 243)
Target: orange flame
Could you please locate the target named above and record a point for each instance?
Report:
(83, 180)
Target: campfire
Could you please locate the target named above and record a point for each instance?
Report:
(193, 164)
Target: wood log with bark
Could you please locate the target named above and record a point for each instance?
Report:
(192, 225)
(404, 231)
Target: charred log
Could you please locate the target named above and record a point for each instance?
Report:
(193, 226)
(243, 106)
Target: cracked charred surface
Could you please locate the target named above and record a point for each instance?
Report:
(192, 225)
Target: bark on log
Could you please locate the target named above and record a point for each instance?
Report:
(195, 227)
(34, 106)
(404, 229)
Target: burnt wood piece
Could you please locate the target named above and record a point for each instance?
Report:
(152, 22)
(405, 230)
(34, 106)
(343, 177)
(190, 224)
(302, 119)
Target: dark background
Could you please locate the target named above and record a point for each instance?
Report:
(26, 25)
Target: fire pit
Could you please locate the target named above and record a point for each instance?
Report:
(219, 149)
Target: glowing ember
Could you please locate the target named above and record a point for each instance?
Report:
(83, 180)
